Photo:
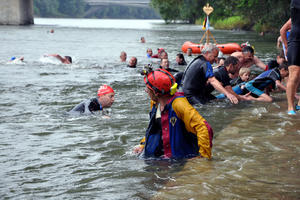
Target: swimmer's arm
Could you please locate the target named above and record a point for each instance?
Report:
(138, 149)
(239, 97)
(284, 29)
(63, 60)
(279, 40)
(280, 85)
(218, 86)
(259, 63)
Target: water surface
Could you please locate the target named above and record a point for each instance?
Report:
(48, 154)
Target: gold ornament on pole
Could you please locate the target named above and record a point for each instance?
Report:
(208, 10)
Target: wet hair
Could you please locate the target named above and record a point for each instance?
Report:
(284, 66)
(181, 56)
(247, 49)
(209, 48)
(244, 70)
(221, 58)
(69, 58)
(231, 60)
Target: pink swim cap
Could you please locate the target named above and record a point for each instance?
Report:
(105, 89)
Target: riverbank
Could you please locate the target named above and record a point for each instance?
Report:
(239, 23)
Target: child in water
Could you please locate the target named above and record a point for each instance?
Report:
(244, 76)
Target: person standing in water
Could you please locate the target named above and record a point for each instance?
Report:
(293, 52)
(176, 129)
(105, 99)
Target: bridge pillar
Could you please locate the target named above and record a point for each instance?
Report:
(16, 12)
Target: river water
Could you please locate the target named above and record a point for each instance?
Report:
(47, 154)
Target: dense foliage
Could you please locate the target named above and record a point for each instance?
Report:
(259, 14)
(59, 8)
(78, 8)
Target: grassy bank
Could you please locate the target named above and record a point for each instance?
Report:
(239, 23)
(235, 22)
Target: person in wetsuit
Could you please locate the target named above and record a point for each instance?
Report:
(164, 64)
(180, 59)
(222, 74)
(105, 99)
(293, 52)
(268, 78)
(176, 129)
(199, 73)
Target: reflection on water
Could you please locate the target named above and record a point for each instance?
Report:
(46, 153)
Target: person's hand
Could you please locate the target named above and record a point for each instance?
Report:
(247, 97)
(232, 98)
(138, 149)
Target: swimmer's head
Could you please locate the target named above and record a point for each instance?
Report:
(248, 52)
(106, 96)
(283, 69)
(13, 58)
(69, 58)
(104, 89)
(244, 73)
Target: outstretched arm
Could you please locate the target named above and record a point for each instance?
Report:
(218, 86)
(259, 63)
(284, 29)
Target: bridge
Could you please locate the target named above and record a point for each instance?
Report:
(16, 12)
(20, 12)
(136, 3)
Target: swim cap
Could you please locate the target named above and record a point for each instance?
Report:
(105, 89)
(160, 50)
(13, 58)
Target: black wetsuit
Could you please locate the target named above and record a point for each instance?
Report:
(178, 77)
(87, 107)
(236, 81)
(131, 66)
(222, 76)
(294, 37)
(272, 64)
(169, 69)
(194, 80)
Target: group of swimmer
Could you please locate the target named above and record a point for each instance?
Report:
(176, 129)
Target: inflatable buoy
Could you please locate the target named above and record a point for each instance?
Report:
(227, 48)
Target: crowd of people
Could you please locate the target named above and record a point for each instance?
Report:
(176, 129)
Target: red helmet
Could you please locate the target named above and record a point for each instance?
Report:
(160, 81)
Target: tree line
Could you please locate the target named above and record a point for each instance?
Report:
(80, 9)
(266, 15)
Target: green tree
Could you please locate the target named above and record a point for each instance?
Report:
(168, 9)
(72, 8)
(46, 8)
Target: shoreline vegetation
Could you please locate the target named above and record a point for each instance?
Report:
(258, 15)
(262, 16)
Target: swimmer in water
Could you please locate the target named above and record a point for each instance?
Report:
(105, 99)
(16, 60)
(199, 73)
(65, 59)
